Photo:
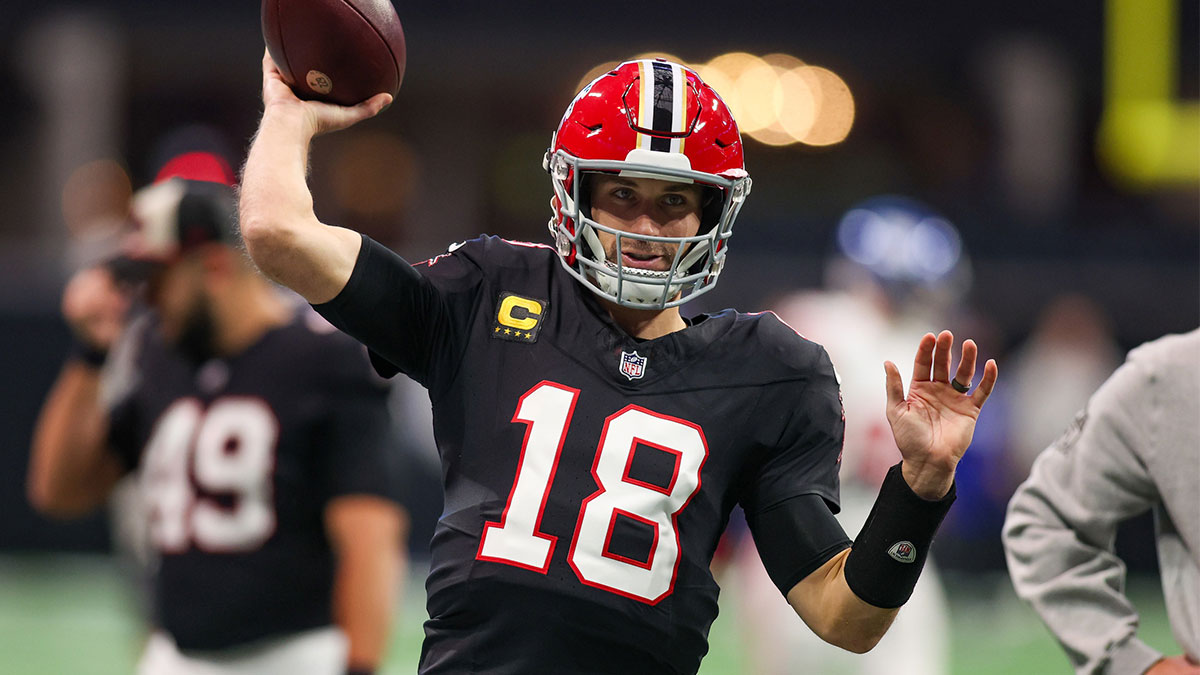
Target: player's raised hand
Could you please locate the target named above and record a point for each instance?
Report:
(95, 307)
(319, 117)
(934, 423)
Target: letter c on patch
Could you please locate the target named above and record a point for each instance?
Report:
(520, 313)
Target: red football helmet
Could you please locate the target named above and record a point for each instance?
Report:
(646, 119)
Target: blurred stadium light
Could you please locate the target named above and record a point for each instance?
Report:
(780, 100)
(835, 112)
(777, 99)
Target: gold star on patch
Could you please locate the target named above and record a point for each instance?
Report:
(507, 331)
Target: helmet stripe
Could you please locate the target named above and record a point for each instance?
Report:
(662, 105)
(679, 108)
(645, 103)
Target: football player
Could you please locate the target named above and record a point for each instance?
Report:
(263, 443)
(593, 438)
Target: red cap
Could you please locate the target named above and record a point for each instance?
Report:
(203, 166)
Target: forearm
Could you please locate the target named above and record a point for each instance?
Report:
(370, 565)
(1062, 522)
(282, 234)
(70, 470)
(851, 600)
(841, 617)
(1074, 585)
(364, 598)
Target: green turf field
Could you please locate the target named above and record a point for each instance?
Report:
(77, 615)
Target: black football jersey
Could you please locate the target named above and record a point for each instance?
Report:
(237, 460)
(588, 475)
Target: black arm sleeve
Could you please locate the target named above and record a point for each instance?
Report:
(400, 315)
(795, 537)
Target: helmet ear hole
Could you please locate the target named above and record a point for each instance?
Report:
(586, 183)
(712, 202)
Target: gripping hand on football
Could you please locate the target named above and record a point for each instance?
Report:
(934, 424)
(319, 117)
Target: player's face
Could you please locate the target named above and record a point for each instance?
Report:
(179, 298)
(645, 206)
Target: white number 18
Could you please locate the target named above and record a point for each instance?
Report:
(517, 540)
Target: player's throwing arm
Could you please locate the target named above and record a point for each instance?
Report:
(281, 232)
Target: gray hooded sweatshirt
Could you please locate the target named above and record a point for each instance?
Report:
(1136, 446)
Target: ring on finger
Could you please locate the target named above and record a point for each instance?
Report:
(959, 387)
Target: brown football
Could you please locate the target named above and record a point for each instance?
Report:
(340, 51)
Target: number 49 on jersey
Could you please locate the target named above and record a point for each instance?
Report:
(226, 449)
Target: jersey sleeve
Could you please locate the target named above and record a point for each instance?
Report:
(791, 500)
(795, 537)
(357, 443)
(415, 322)
(806, 455)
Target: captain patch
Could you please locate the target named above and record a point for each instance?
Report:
(518, 318)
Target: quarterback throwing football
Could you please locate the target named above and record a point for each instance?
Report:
(594, 439)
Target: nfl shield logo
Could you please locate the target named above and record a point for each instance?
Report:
(632, 365)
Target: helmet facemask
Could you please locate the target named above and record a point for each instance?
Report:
(698, 259)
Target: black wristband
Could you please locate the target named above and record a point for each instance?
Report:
(887, 557)
(88, 354)
(360, 670)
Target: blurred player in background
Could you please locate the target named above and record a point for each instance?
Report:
(593, 440)
(264, 449)
(1133, 448)
(1072, 345)
(899, 267)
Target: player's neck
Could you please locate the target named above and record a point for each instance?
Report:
(646, 324)
(245, 313)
